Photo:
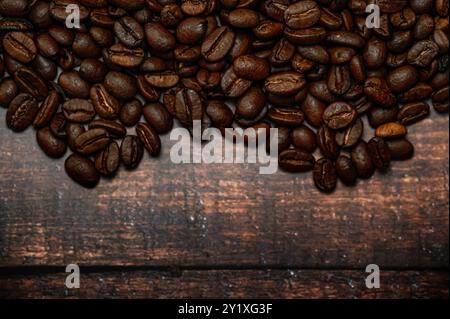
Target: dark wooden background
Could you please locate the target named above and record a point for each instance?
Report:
(182, 231)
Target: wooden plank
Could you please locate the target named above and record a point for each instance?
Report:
(166, 214)
(229, 284)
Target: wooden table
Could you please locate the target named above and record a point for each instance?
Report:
(180, 231)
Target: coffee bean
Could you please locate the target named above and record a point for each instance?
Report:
(309, 36)
(324, 175)
(73, 130)
(131, 113)
(413, 112)
(131, 151)
(114, 129)
(21, 112)
(419, 92)
(219, 113)
(92, 141)
(191, 30)
(378, 91)
(104, 103)
(82, 170)
(296, 161)
(243, 18)
(51, 145)
(129, 32)
(251, 103)
(158, 117)
(402, 79)
(120, 85)
(73, 85)
(30, 82)
(327, 143)
(391, 130)
(149, 138)
(164, 80)
(107, 161)
(8, 91)
(284, 83)
(188, 107)
(286, 116)
(401, 149)
(218, 44)
(20, 46)
(121, 56)
(48, 109)
(351, 135)
(232, 85)
(363, 160)
(422, 53)
(158, 37)
(379, 152)
(346, 170)
(339, 115)
(58, 125)
(251, 67)
(339, 81)
(304, 138)
(302, 14)
(78, 110)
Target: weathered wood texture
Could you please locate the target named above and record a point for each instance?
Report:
(229, 284)
(167, 214)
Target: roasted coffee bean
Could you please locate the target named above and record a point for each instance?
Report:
(391, 131)
(326, 139)
(79, 111)
(20, 46)
(422, 53)
(219, 113)
(363, 161)
(188, 107)
(351, 135)
(401, 149)
(378, 116)
(82, 170)
(8, 91)
(149, 138)
(339, 115)
(309, 36)
(379, 152)
(243, 18)
(114, 129)
(158, 117)
(302, 14)
(339, 81)
(58, 125)
(30, 82)
(251, 67)
(286, 116)
(84, 46)
(21, 112)
(251, 103)
(92, 141)
(313, 110)
(282, 53)
(73, 85)
(51, 145)
(304, 138)
(92, 70)
(107, 161)
(232, 85)
(129, 32)
(375, 53)
(130, 113)
(48, 108)
(440, 100)
(296, 161)
(45, 67)
(338, 55)
(346, 170)
(191, 30)
(165, 80)
(324, 175)
(284, 83)
(124, 57)
(419, 92)
(413, 112)
(378, 91)
(104, 103)
(158, 37)
(402, 79)
(120, 85)
(131, 151)
(218, 44)
(47, 46)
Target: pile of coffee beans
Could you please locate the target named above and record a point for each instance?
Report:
(313, 69)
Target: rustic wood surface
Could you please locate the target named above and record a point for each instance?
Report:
(219, 218)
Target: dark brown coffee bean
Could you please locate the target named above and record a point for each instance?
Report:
(324, 175)
(30, 82)
(346, 170)
(440, 100)
(158, 37)
(47, 46)
(153, 64)
(286, 116)
(339, 80)
(93, 71)
(124, 57)
(296, 161)
(20, 46)
(21, 112)
(107, 162)
(339, 115)
(129, 32)
(351, 135)
(232, 85)
(104, 103)
(130, 113)
(422, 53)
(191, 30)
(363, 161)
(309, 36)
(165, 80)
(419, 92)
(251, 103)
(413, 112)
(251, 67)
(218, 44)
(219, 113)
(243, 18)
(188, 107)
(82, 170)
(304, 138)
(378, 116)
(357, 69)
(84, 46)
(120, 85)
(301, 65)
(375, 53)
(378, 91)
(326, 139)
(313, 110)
(58, 125)
(402, 79)
(79, 111)
(158, 117)
(282, 53)
(73, 130)
(284, 83)
(401, 149)
(45, 67)
(73, 85)
(345, 39)
(114, 129)
(339, 55)
(149, 138)
(48, 109)
(379, 152)
(268, 30)
(131, 151)
(63, 36)
(92, 141)
(302, 14)
(391, 131)
(8, 91)
(51, 145)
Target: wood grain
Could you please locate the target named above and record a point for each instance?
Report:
(229, 284)
(166, 214)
